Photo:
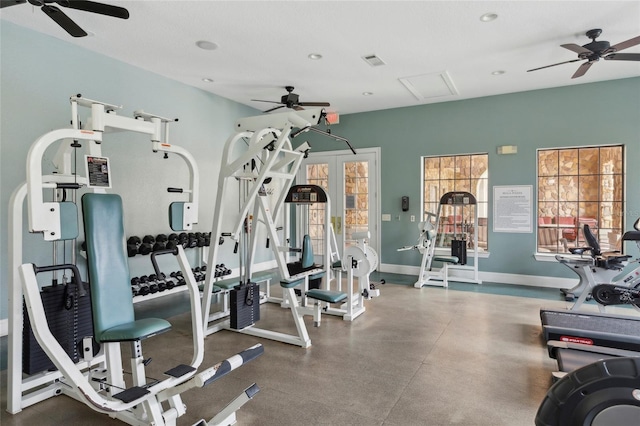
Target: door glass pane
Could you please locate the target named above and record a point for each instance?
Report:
(317, 174)
(356, 199)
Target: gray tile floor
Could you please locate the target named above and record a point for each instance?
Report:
(416, 357)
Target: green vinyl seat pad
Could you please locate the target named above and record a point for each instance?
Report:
(136, 330)
(329, 296)
(448, 259)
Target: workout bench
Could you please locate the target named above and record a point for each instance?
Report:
(104, 389)
(304, 271)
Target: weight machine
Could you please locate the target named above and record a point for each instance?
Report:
(452, 204)
(258, 154)
(360, 260)
(96, 377)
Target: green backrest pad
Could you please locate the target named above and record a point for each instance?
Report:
(307, 252)
(111, 300)
(176, 216)
(107, 261)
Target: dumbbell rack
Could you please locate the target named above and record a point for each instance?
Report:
(148, 287)
(154, 286)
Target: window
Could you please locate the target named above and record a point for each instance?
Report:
(578, 187)
(468, 172)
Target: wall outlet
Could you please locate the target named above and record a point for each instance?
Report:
(398, 218)
(386, 218)
(413, 218)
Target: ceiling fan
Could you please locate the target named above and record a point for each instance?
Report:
(596, 50)
(291, 100)
(63, 20)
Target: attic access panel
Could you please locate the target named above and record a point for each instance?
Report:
(427, 86)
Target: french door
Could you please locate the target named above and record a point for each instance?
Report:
(352, 183)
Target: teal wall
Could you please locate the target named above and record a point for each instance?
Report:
(588, 114)
(38, 74)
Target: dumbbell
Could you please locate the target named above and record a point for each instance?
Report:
(200, 239)
(147, 244)
(173, 241)
(162, 285)
(171, 282)
(141, 289)
(153, 287)
(133, 245)
(207, 239)
(192, 241)
(225, 270)
(178, 277)
(183, 239)
(161, 242)
(198, 274)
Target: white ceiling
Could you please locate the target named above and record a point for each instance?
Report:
(264, 46)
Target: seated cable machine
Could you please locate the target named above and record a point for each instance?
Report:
(88, 366)
(359, 261)
(454, 229)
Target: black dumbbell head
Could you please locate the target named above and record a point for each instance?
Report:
(134, 240)
(159, 246)
(132, 250)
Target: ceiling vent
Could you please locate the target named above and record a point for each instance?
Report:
(373, 60)
(427, 86)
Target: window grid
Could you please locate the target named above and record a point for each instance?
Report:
(578, 186)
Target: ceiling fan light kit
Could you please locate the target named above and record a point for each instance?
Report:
(596, 50)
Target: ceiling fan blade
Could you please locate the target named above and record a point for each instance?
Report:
(553, 65)
(624, 45)
(582, 69)
(64, 21)
(275, 108)
(320, 104)
(623, 57)
(576, 48)
(7, 3)
(261, 100)
(101, 8)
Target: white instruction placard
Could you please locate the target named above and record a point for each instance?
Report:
(512, 210)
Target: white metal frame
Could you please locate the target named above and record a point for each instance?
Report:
(269, 148)
(74, 379)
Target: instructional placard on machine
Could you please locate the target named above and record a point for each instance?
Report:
(512, 208)
(98, 171)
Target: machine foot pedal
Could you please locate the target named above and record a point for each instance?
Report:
(179, 370)
(131, 394)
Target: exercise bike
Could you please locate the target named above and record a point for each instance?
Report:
(600, 268)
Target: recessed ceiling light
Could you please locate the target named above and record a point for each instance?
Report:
(488, 17)
(367, 93)
(207, 80)
(206, 45)
(315, 56)
(498, 72)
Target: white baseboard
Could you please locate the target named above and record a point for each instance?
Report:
(494, 277)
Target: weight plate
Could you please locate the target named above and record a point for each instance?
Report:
(364, 266)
